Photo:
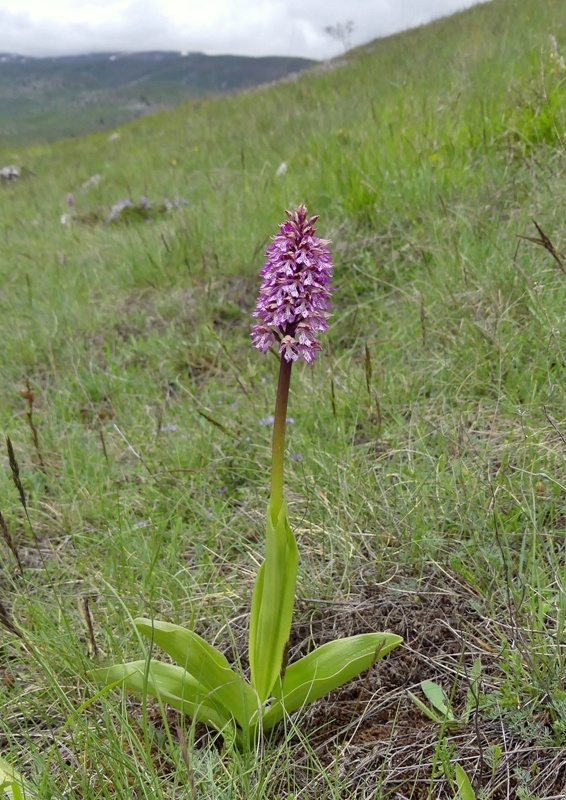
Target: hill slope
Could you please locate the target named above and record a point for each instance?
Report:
(47, 98)
(426, 474)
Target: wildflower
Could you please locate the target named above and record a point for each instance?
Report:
(117, 209)
(94, 180)
(292, 306)
(294, 299)
(70, 199)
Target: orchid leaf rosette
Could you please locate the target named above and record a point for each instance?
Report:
(292, 310)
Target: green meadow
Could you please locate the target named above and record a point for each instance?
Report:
(426, 471)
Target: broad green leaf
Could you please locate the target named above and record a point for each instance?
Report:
(326, 668)
(12, 784)
(169, 684)
(472, 695)
(428, 712)
(272, 603)
(435, 694)
(475, 673)
(207, 666)
(11, 790)
(440, 712)
(465, 790)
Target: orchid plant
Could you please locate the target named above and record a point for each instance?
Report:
(292, 309)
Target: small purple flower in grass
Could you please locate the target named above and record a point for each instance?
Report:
(117, 209)
(294, 299)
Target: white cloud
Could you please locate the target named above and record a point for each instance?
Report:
(246, 27)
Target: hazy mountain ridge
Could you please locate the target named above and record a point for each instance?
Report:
(114, 87)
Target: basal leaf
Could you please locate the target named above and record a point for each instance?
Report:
(435, 716)
(170, 684)
(326, 668)
(11, 790)
(438, 711)
(206, 665)
(272, 603)
(436, 696)
(13, 785)
(465, 790)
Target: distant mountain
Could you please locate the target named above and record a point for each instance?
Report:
(12, 58)
(42, 99)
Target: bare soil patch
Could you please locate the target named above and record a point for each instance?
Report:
(373, 738)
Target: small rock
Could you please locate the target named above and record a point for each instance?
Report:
(10, 173)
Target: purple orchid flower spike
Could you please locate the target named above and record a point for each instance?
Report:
(294, 299)
(292, 308)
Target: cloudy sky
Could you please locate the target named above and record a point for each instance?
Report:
(243, 27)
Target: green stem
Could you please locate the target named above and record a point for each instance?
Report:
(279, 424)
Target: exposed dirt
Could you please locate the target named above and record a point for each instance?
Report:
(379, 744)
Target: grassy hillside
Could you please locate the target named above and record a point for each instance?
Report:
(426, 479)
(42, 99)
